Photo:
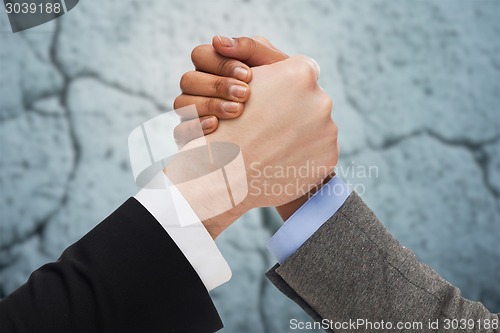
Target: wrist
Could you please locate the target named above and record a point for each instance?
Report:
(217, 224)
(211, 180)
(287, 210)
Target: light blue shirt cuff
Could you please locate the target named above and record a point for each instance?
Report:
(308, 218)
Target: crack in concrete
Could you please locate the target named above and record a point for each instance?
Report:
(30, 105)
(71, 129)
(268, 223)
(40, 226)
(44, 114)
(25, 102)
(475, 148)
(127, 91)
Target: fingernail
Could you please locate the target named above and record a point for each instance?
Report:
(226, 41)
(231, 107)
(240, 73)
(207, 123)
(238, 91)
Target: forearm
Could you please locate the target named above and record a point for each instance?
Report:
(125, 275)
(352, 268)
(217, 224)
(202, 180)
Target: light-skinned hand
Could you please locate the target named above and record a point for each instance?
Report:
(286, 126)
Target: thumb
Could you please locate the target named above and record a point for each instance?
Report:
(250, 51)
(264, 41)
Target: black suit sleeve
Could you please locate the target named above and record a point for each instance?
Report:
(126, 275)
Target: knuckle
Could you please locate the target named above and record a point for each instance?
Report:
(226, 66)
(252, 44)
(323, 106)
(248, 44)
(198, 53)
(326, 104)
(330, 133)
(194, 129)
(219, 86)
(180, 142)
(209, 105)
(334, 130)
(178, 102)
(305, 70)
(186, 80)
(187, 131)
(178, 132)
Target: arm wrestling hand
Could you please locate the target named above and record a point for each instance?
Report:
(286, 129)
(225, 58)
(212, 86)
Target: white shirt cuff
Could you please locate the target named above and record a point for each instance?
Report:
(173, 212)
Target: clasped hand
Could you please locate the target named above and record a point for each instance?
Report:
(251, 94)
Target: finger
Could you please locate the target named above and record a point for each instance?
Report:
(193, 129)
(206, 59)
(247, 50)
(209, 85)
(264, 41)
(207, 106)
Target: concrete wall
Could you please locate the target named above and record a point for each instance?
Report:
(416, 87)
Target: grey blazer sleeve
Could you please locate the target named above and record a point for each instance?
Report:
(352, 268)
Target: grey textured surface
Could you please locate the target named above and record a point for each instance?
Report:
(416, 87)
